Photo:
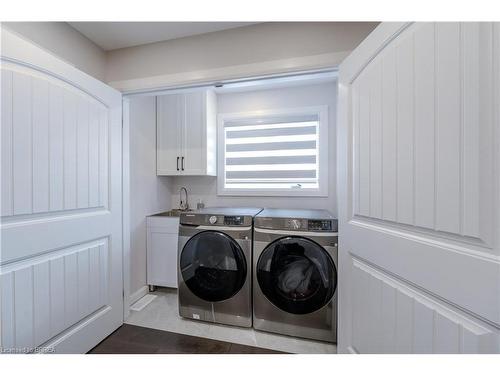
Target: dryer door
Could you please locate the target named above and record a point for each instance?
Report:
(296, 275)
(213, 266)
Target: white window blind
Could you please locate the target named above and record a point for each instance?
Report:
(272, 153)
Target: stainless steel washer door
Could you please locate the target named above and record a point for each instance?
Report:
(296, 274)
(213, 266)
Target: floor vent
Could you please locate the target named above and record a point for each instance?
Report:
(143, 302)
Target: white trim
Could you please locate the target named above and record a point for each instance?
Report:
(138, 294)
(126, 205)
(209, 76)
(296, 233)
(322, 191)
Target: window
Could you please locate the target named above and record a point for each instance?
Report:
(280, 152)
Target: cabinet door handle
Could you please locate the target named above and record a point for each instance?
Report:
(182, 163)
(177, 163)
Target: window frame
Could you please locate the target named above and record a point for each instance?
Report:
(322, 191)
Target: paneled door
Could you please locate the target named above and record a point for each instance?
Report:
(419, 183)
(61, 246)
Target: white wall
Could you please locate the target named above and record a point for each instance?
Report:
(149, 194)
(243, 46)
(65, 42)
(205, 188)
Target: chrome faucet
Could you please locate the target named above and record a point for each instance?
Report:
(183, 205)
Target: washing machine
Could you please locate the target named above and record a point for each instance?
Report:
(214, 265)
(295, 273)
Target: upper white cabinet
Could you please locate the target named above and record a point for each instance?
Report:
(186, 134)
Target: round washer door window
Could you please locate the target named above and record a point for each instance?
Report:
(296, 275)
(213, 266)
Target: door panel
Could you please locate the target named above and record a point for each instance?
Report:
(56, 149)
(448, 127)
(426, 214)
(66, 275)
(404, 139)
(61, 260)
(424, 126)
(34, 169)
(389, 136)
(434, 156)
(392, 317)
(22, 158)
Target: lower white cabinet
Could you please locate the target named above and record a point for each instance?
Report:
(162, 236)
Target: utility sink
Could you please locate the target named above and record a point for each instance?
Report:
(176, 212)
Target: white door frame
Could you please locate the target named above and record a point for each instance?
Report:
(126, 205)
(163, 87)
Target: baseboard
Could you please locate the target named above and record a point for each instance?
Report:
(138, 294)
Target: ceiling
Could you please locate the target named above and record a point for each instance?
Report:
(114, 35)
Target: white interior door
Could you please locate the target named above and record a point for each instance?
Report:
(61, 258)
(419, 183)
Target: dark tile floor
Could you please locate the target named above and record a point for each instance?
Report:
(130, 339)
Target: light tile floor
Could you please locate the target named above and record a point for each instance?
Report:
(163, 314)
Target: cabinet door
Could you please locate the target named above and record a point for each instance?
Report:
(194, 134)
(162, 258)
(170, 112)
